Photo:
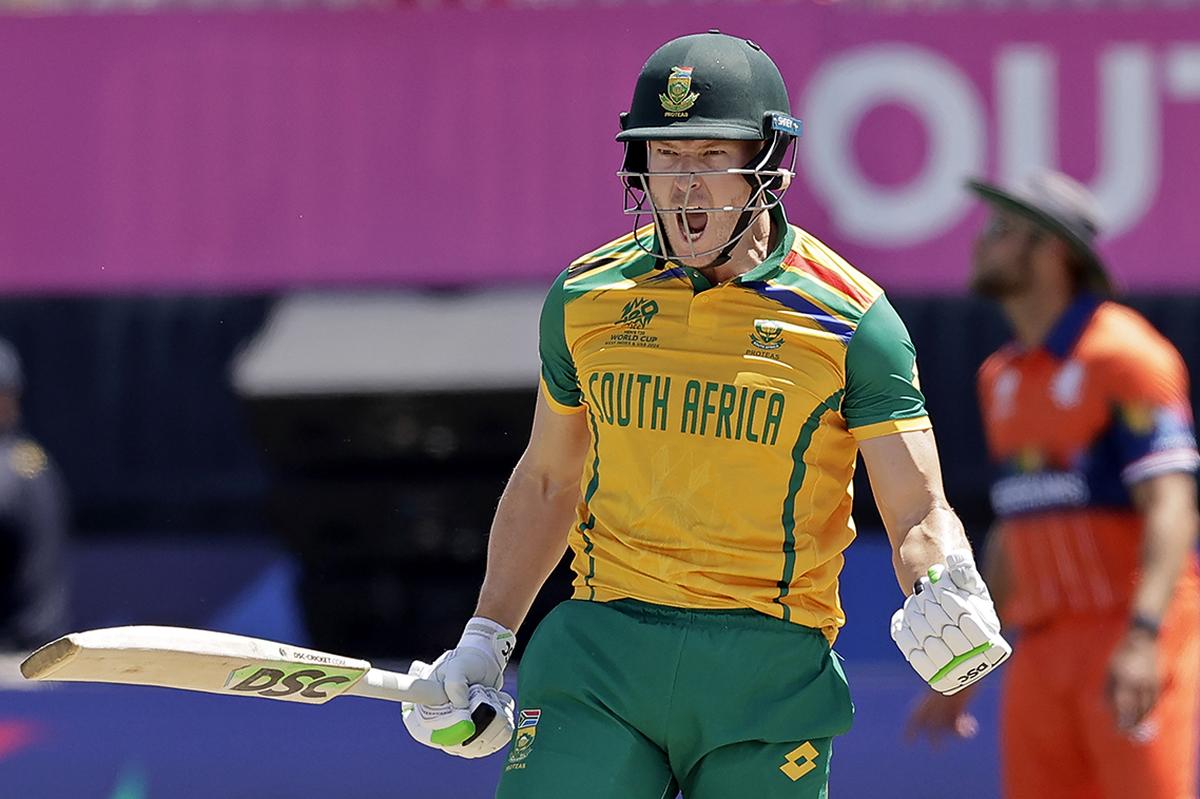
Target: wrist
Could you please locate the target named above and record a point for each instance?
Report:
(489, 636)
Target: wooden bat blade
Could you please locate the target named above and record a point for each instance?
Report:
(45, 660)
(220, 663)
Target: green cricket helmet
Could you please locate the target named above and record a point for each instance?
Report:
(710, 86)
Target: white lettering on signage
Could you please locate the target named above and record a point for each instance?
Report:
(1183, 72)
(848, 86)
(954, 116)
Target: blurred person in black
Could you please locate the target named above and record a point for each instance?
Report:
(33, 521)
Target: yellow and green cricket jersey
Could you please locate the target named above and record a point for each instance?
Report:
(724, 422)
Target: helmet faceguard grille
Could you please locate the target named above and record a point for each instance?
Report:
(767, 177)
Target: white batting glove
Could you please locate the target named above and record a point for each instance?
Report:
(948, 629)
(479, 659)
(484, 727)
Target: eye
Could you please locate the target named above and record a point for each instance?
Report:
(997, 227)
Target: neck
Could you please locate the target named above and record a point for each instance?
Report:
(754, 246)
(1033, 315)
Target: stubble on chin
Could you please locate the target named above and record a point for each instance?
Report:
(996, 285)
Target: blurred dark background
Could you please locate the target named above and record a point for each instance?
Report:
(384, 498)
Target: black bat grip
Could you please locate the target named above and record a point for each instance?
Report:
(483, 717)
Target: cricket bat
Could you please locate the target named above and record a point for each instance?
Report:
(220, 663)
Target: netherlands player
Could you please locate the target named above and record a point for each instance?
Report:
(1088, 421)
(707, 383)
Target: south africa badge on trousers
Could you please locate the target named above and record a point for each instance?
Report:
(527, 722)
(679, 96)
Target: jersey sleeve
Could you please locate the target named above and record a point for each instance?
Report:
(559, 380)
(1152, 417)
(883, 393)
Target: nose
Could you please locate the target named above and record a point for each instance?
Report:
(688, 180)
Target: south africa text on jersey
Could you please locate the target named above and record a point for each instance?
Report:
(702, 408)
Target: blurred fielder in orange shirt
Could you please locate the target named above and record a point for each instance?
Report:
(1093, 554)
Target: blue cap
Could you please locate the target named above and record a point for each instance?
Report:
(11, 378)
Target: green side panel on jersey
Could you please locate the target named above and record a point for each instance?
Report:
(799, 470)
(588, 493)
(881, 370)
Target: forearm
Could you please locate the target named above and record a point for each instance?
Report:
(949, 634)
(919, 545)
(1168, 538)
(528, 538)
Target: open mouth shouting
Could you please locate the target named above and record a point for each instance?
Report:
(692, 225)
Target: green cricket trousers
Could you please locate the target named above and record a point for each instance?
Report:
(629, 700)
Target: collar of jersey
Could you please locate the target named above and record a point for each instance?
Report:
(770, 267)
(1066, 331)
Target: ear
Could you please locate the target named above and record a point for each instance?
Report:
(1044, 245)
(1056, 255)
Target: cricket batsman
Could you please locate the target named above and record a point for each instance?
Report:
(707, 383)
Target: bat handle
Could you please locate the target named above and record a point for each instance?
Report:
(482, 717)
(395, 687)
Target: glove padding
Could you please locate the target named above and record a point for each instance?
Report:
(479, 659)
(484, 727)
(948, 629)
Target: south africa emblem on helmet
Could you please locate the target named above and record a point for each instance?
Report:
(679, 96)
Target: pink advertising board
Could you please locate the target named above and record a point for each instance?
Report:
(248, 152)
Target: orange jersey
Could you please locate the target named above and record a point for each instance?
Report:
(1071, 425)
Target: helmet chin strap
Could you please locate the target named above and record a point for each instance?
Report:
(722, 257)
(670, 254)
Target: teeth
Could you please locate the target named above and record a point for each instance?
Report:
(687, 233)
